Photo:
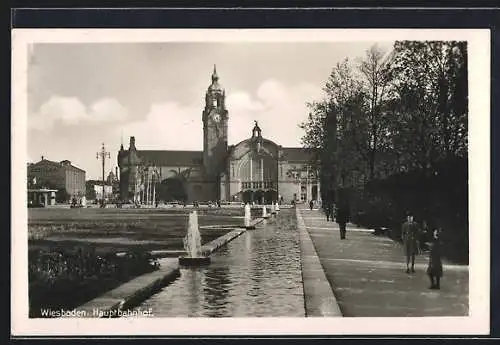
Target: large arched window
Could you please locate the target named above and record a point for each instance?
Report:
(256, 167)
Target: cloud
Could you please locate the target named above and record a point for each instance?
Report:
(239, 102)
(278, 109)
(71, 111)
(168, 125)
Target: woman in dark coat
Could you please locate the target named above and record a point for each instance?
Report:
(435, 267)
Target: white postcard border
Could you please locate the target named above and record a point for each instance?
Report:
(479, 193)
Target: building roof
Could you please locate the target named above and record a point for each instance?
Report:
(171, 158)
(298, 154)
(195, 158)
(46, 162)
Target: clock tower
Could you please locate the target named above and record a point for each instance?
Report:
(215, 123)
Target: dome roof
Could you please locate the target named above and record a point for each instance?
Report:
(215, 86)
(250, 144)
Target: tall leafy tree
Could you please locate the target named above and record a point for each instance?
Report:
(400, 110)
(431, 86)
(377, 77)
(336, 127)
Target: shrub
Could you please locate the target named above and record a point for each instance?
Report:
(60, 278)
(440, 197)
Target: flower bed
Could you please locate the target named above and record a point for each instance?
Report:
(63, 279)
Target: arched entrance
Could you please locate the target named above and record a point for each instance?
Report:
(258, 197)
(248, 196)
(314, 192)
(270, 196)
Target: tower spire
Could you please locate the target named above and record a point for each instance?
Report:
(215, 77)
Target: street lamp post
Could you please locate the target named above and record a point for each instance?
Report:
(103, 155)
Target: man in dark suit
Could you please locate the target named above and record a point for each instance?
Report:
(326, 208)
(342, 217)
(409, 235)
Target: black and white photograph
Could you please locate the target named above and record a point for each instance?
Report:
(250, 181)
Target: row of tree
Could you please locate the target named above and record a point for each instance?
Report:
(393, 111)
(391, 135)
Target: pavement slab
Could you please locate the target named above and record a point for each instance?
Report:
(319, 299)
(367, 274)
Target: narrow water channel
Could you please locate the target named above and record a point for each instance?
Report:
(257, 274)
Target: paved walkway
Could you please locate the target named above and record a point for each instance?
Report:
(367, 274)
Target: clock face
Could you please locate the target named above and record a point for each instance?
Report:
(215, 116)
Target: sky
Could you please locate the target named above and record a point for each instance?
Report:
(81, 95)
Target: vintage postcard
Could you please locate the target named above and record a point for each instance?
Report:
(250, 182)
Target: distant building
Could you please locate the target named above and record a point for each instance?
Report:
(58, 176)
(112, 177)
(41, 196)
(108, 191)
(254, 170)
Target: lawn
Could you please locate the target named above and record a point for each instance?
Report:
(72, 252)
(115, 230)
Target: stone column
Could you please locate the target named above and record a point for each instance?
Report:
(251, 172)
(262, 170)
(309, 190)
(262, 179)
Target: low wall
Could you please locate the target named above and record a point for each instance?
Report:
(132, 293)
(214, 245)
(319, 298)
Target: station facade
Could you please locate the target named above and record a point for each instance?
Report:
(254, 170)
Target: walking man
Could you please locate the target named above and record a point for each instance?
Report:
(327, 207)
(311, 204)
(409, 234)
(342, 218)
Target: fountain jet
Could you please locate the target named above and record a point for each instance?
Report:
(248, 218)
(192, 244)
(264, 212)
(192, 241)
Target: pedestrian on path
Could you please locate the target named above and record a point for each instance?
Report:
(311, 204)
(409, 236)
(423, 238)
(342, 217)
(435, 266)
(328, 211)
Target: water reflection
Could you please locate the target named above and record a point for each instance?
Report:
(216, 291)
(257, 274)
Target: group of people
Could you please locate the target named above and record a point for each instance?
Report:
(411, 235)
(338, 213)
